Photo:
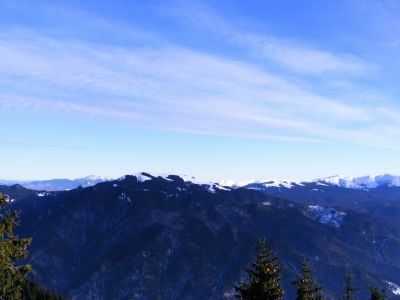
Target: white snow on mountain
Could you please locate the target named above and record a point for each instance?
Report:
(259, 184)
(144, 176)
(237, 184)
(394, 288)
(57, 184)
(326, 215)
(282, 183)
(141, 177)
(42, 194)
(212, 187)
(365, 182)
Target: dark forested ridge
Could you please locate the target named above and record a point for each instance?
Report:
(382, 201)
(169, 239)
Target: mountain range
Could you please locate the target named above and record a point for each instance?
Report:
(56, 184)
(169, 237)
(364, 182)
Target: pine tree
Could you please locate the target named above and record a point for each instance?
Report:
(12, 251)
(307, 288)
(32, 291)
(376, 294)
(264, 277)
(348, 290)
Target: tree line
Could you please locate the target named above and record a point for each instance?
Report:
(264, 276)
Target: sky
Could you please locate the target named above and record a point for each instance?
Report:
(223, 89)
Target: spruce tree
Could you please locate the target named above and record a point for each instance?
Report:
(32, 291)
(264, 277)
(307, 289)
(13, 250)
(377, 294)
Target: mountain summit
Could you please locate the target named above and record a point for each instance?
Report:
(62, 184)
(364, 182)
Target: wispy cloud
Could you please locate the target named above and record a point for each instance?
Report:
(172, 87)
(303, 59)
(294, 55)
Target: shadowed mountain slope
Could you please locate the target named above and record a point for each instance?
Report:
(165, 238)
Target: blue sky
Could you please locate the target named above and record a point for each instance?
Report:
(215, 89)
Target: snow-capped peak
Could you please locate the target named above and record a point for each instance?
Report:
(364, 182)
(236, 184)
(144, 176)
(91, 180)
(94, 178)
(141, 177)
(260, 184)
(339, 180)
(210, 186)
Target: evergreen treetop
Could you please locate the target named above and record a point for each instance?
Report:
(348, 290)
(307, 288)
(264, 277)
(32, 291)
(377, 294)
(12, 251)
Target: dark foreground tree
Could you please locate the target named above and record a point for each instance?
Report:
(377, 294)
(348, 290)
(307, 289)
(264, 277)
(32, 291)
(13, 250)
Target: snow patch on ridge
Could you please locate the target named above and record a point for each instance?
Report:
(364, 182)
(212, 187)
(124, 197)
(260, 184)
(326, 215)
(42, 194)
(394, 288)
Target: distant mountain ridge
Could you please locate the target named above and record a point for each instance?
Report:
(62, 184)
(364, 182)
